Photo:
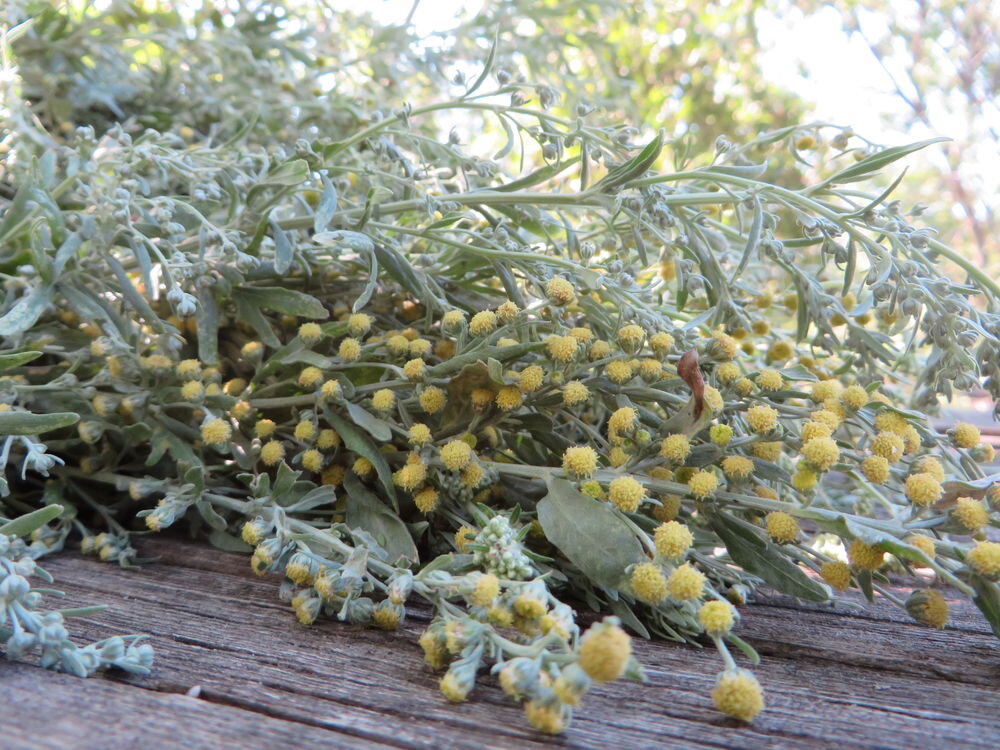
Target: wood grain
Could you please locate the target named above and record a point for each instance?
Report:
(833, 676)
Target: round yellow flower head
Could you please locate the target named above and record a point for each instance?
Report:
(305, 430)
(889, 445)
(487, 588)
(617, 457)
(411, 476)
(762, 419)
(530, 379)
(362, 467)
(672, 539)
(605, 650)
(575, 393)
(626, 493)
(964, 435)
(333, 475)
(550, 717)
(562, 348)
(667, 510)
(721, 434)
(661, 343)
(865, 556)
(770, 380)
(453, 687)
(507, 312)
(781, 527)
(419, 434)
(234, 387)
(383, 399)
(724, 346)
(414, 368)
(156, 362)
(825, 389)
(358, 325)
(312, 460)
(630, 338)
(984, 558)
(216, 432)
(737, 467)
(398, 345)
(264, 428)
(854, 397)
(330, 389)
(349, 349)
(923, 543)
(717, 617)
(923, 489)
(583, 335)
(481, 398)
(738, 694)
(432, 399)
(728, 372)
(971, 514)
(619, 372)
(509, 398)
(829, 418)
(426, 500)
(327, 439)
(875, 469)
(836, 574)
(780, 351)
(272, 452)
(559, 291)
(310, 333)
(310, 377)
(623, 420)
(483, 323)
(453, 319)
(821, 452)
(189, 369)
(192, 390)
(713, 400)
(891, 421)
(580, 460)
(599, 350)
(676, 448)
(928, 607)
(702, 484)
(804, 479)
(686, 583)
(745, 387)
(456, 455)
(648, 583)
(812, 430)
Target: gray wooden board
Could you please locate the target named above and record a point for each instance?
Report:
(833, 676)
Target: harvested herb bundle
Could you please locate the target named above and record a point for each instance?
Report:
(250, 290)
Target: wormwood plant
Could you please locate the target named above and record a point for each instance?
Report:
(254, 288)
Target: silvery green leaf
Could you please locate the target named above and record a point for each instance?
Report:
(761, 558)
(357, 441)
(26, 311)
(279, 299)
(589, 533)
(26, 423)
(366, 511)
(24, 525)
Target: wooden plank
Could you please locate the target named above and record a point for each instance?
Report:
(56, 711)
(861, 679)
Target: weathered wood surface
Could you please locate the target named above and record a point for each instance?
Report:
(845, 678)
